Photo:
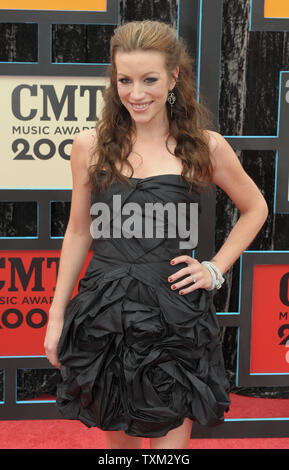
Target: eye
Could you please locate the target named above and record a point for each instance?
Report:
(124, 81)
(151, 79)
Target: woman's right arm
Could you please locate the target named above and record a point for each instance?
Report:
(76, 243)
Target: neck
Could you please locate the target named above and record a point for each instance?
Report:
(151, 131)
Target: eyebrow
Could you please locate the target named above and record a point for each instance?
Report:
(148, 73)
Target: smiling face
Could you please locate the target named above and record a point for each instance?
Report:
(143, 85)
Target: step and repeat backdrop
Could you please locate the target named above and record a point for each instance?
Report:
(45, 102)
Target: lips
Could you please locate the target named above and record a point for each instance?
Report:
(140, 106)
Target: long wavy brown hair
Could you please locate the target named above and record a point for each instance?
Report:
(187, 124)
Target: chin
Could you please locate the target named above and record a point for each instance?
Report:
(145, 117)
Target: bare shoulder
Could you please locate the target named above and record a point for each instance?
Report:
(82, 154)
(221, 153)
(229, 174)
(86, 139)
(213, 139)
(87, 135)
(83, 148)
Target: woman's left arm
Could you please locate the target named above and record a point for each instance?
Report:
(230, 176)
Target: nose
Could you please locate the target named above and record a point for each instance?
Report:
(137, 91)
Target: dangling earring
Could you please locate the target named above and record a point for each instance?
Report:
(171, 100)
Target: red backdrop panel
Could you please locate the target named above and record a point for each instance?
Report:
(270, 319)
(27, 283)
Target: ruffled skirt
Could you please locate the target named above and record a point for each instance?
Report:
(140, 358)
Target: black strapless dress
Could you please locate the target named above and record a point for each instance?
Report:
(136, 355)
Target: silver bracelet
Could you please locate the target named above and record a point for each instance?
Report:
(217, 278)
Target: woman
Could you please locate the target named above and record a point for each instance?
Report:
(138, 346)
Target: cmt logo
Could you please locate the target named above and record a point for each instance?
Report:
(13, 318)
(27, 284)
(35, 270)
(283, 331)
(24, 94)
(22, 289)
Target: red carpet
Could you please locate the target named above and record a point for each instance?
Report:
(65, 434)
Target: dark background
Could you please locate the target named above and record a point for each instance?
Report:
(248, 105)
